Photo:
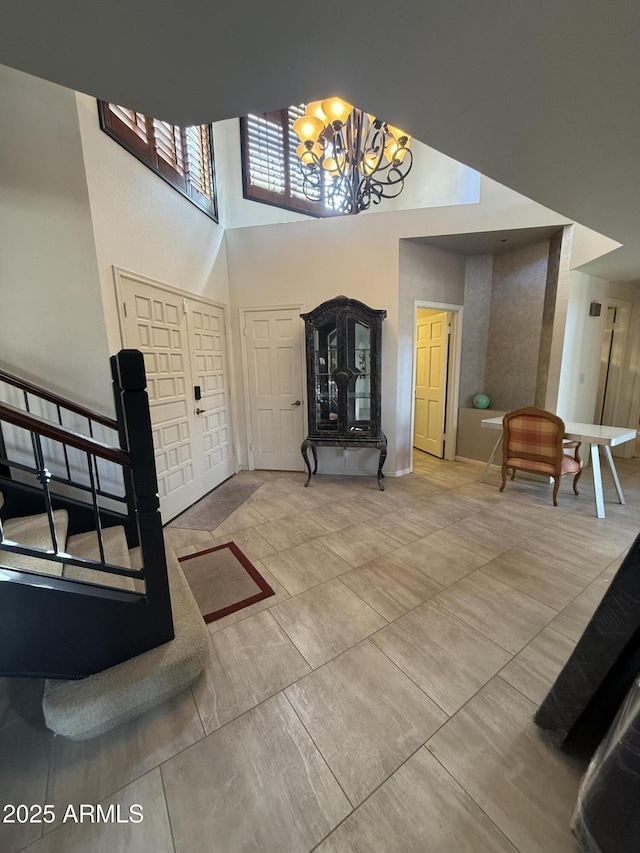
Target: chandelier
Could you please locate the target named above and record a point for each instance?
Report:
(350, 157)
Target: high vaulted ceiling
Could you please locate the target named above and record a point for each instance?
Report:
(540, 95)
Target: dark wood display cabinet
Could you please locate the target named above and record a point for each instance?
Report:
(344, 363)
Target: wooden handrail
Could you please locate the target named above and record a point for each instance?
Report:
(30, 388)
(34, 423)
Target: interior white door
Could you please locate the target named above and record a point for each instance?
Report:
(208, 350)
(431, 383)
(273, 347)
(183, 344)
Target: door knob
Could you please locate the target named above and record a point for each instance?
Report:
(200, 411)
(297, 403)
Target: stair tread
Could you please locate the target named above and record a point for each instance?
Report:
(116, 551)
(34, 530)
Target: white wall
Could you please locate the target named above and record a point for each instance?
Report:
(582, 346)
(51, 323)
(435, 180)
(143, 225)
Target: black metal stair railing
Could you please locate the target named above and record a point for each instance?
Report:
(57, 409)
(95, 624)
(37, 429)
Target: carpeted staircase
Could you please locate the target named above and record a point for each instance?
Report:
(83, 708)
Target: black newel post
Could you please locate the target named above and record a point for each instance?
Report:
(131, 527)
(139, 443)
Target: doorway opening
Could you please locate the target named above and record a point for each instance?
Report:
(612, 361)
(436, 376)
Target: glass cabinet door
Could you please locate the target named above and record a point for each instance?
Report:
(326, 362)
(359, 388)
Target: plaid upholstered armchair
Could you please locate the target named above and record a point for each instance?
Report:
(533, 442)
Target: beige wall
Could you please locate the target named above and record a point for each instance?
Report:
(478, 278)
(517, 301)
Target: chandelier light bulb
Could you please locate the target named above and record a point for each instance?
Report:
(336, 110)
(314, 108)
(308, 128)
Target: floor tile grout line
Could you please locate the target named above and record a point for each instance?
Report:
(472, 798)
(166, 806)
(368, 797)
(485, 635)
(415, 683)
(319, 751)
(197, 707)
(113, 793)
(425, 745)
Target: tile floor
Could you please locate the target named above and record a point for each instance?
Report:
(381, 701)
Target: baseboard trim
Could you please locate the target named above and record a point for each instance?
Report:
(474, 461)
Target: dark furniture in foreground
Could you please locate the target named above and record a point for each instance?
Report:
(591, 687)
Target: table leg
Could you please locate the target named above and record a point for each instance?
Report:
(597, 479)
(498, 445)
(614, 473)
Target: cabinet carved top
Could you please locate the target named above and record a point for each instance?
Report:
(342, 302)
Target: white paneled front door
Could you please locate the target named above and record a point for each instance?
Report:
(273, 357)
(183, 343)
(207, 346)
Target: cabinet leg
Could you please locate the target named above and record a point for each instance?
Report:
(304, 450)
(315, 458)
(383, 456)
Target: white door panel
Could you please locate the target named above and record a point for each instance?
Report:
(183, 343)
(273, 346)
(208, 359)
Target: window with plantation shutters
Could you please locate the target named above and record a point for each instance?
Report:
(183, 156)
(270, 166)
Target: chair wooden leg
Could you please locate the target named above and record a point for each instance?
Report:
(575, 482)
(513, 473)
(556, 486)
(504, 478)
